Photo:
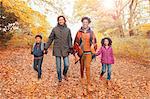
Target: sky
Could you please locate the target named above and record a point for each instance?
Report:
(52, 17)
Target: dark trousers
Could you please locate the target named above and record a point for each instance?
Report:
(38, 66)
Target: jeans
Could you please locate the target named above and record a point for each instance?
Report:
(58, 66)
(108, 66)
(37, 66)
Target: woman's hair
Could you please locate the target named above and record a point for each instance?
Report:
(60, 17)
(109, 40)
(86, 18)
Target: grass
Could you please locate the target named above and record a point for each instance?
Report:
(135, 47)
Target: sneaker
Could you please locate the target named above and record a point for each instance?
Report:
(101, 77)
(59, 81)
(108, 82)
(39, 77)
(66, 78)
(36, 68)
(89, 88)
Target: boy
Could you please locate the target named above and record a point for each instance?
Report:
(38, 52)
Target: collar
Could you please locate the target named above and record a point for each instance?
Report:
(88, 30)
(61, 26)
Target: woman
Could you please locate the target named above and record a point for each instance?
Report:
(84, 44)
(61, 35)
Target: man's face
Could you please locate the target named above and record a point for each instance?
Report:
(85, 23)
(38, 39)
(61, 21)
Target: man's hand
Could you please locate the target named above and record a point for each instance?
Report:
(71, 50)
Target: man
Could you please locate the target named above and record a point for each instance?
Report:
(61, 35)
(85, 44)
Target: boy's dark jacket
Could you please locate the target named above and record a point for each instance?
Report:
(61, 35)
(41, 49)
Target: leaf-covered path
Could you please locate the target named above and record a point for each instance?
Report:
(18, 80)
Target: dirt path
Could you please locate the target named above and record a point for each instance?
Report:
(18, 80)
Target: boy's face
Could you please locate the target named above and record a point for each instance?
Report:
(61, 21)
(106, 42)
(85, 23)
(38, 39)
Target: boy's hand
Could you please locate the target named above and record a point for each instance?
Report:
(45, 51)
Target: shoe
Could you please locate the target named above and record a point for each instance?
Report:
(59, 81)
(39, 77)
(89, 88)
(82, 81)
(66, 78)
(101, 77)
(36, 68)
(108, 82)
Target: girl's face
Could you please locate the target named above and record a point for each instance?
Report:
(106, 42)
(61, 21)
(85, 24)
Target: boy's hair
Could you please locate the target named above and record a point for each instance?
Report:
(38, 36)
(109, 40)
(86, 18)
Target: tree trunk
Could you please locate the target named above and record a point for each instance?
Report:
(132, 8)
(120, 27)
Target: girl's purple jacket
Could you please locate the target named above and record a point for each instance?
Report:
(106, 55)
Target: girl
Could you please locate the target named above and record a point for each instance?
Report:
(107, 58)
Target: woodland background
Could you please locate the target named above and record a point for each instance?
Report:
(127, 22)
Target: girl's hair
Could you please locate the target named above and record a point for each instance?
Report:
(60, 17)
(86, 18)
(109, 40)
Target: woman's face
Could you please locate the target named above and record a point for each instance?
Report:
(61, 21)
(85, 23)
(106, 42)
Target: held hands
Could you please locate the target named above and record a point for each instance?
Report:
(45, 51)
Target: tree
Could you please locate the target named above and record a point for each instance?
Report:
(132, 8)
(7, 21)
(28, 21)
(104, 17)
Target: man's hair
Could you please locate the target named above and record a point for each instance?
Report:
(38, 36)
(86, 18)
(60, 17)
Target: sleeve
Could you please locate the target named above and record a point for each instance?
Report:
(94, 41)
(50, 40)
(42, 46)
(32, 49)
(112, 54)
(77, 39)
(76, 43)
(70, 39)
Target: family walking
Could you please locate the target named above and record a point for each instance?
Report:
(83, 49)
